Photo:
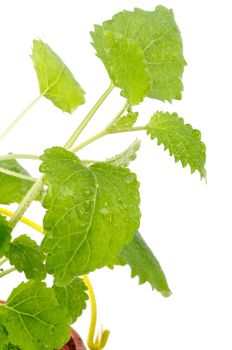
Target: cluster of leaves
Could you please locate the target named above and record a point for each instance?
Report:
(92, 210)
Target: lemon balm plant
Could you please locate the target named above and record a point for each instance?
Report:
(92, 208)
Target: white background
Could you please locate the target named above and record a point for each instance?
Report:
(186, 222)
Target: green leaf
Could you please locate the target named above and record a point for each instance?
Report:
(143, 264)
(180, 139)
(4, 342)
(13, 189)
(33, 318)
(56, 82)
(3, 336)
(157, 38)
(73, 296)
(125, 122)
(92, 213)
(124, 158)
(27, 257)
(125, 63)
(5, 236)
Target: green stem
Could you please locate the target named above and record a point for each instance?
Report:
(88, 117)
(104, 133)
(118, 116)
(19, 175)
(25, 203)
(3, 260)
(19, 117)
(90, 140)
(19, 156)
(6, 272)
(135, 128)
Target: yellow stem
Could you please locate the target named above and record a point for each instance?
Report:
(23, 219)
(100, 342)
(93, 323)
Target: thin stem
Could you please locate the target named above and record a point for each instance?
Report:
(25, 203)
(90, 140)
(3, 260)
(118, 116)
(88, 117)
(19, 117)
(104, 133)
(135, 128)
(23, 219)
(19, 156)
(19, 175)
(6, 272)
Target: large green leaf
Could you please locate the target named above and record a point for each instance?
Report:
(143, 264)
(56, 82)
(13, 189)
(73, 296)
(157, 38)
(5, 236)
(92, 213)
(33, 319)
(182, 141)
(124, 158)
(27, 257)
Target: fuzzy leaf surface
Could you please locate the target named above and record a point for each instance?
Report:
(5, 236)
(157, 38)
(124, 158)
(27, 257)
(56, 82)
(92, 212)
(73, 296)
(182, 141)
(33, 319)
(13, 189)
(143, 264)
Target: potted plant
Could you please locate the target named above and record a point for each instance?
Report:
(92, 207)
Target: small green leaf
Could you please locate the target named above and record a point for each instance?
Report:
(5, 236)
(92, 213)
(124, 158)
(56, 82)
(154, 39)
(125, 122)
(33, 319)
(27, 257)
(13, 189)
(182, 141)
(143, 264)
(73, 296)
